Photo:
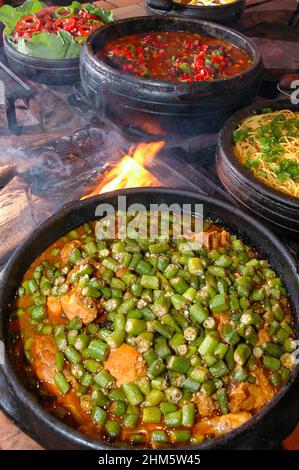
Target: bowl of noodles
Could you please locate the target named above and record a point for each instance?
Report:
(219, 11)
(257, 162)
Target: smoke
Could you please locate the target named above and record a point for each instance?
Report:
(37, 182)
(62, 151)
(61, 155)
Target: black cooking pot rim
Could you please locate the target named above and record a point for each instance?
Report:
(254, 51)
(222, 6)
(38, 61)
(226, 148)
(26, 398)
(243, 188)
(291, 231)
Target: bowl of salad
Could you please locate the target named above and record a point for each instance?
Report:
(219, 11)
(44, 43)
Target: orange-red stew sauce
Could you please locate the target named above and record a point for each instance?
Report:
(175, 56)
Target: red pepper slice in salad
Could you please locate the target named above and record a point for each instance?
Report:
(87, 16)
(29, 24)
(65, 24)
(86, 29)
(71, 19)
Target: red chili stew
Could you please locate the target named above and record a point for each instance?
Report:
(175, 56)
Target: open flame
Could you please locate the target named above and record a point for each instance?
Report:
(130, 172)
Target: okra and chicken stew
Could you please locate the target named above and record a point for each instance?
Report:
(152, 342)
(175, 56)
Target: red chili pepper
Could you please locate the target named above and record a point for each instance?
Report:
(86, 29)
(203, 47)
(198, 62)
(30, 24)
(87, 16)
(65, 24)
(189, 45)
(202, 75)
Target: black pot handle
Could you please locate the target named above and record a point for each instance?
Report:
(166, 5)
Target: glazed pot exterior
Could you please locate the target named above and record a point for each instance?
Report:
(176, 107)
(47, 71)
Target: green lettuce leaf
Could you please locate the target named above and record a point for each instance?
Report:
(105, 15)
(75, 5)
(45, 45)
(31, 6)
(10, 16)
(72, 48)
